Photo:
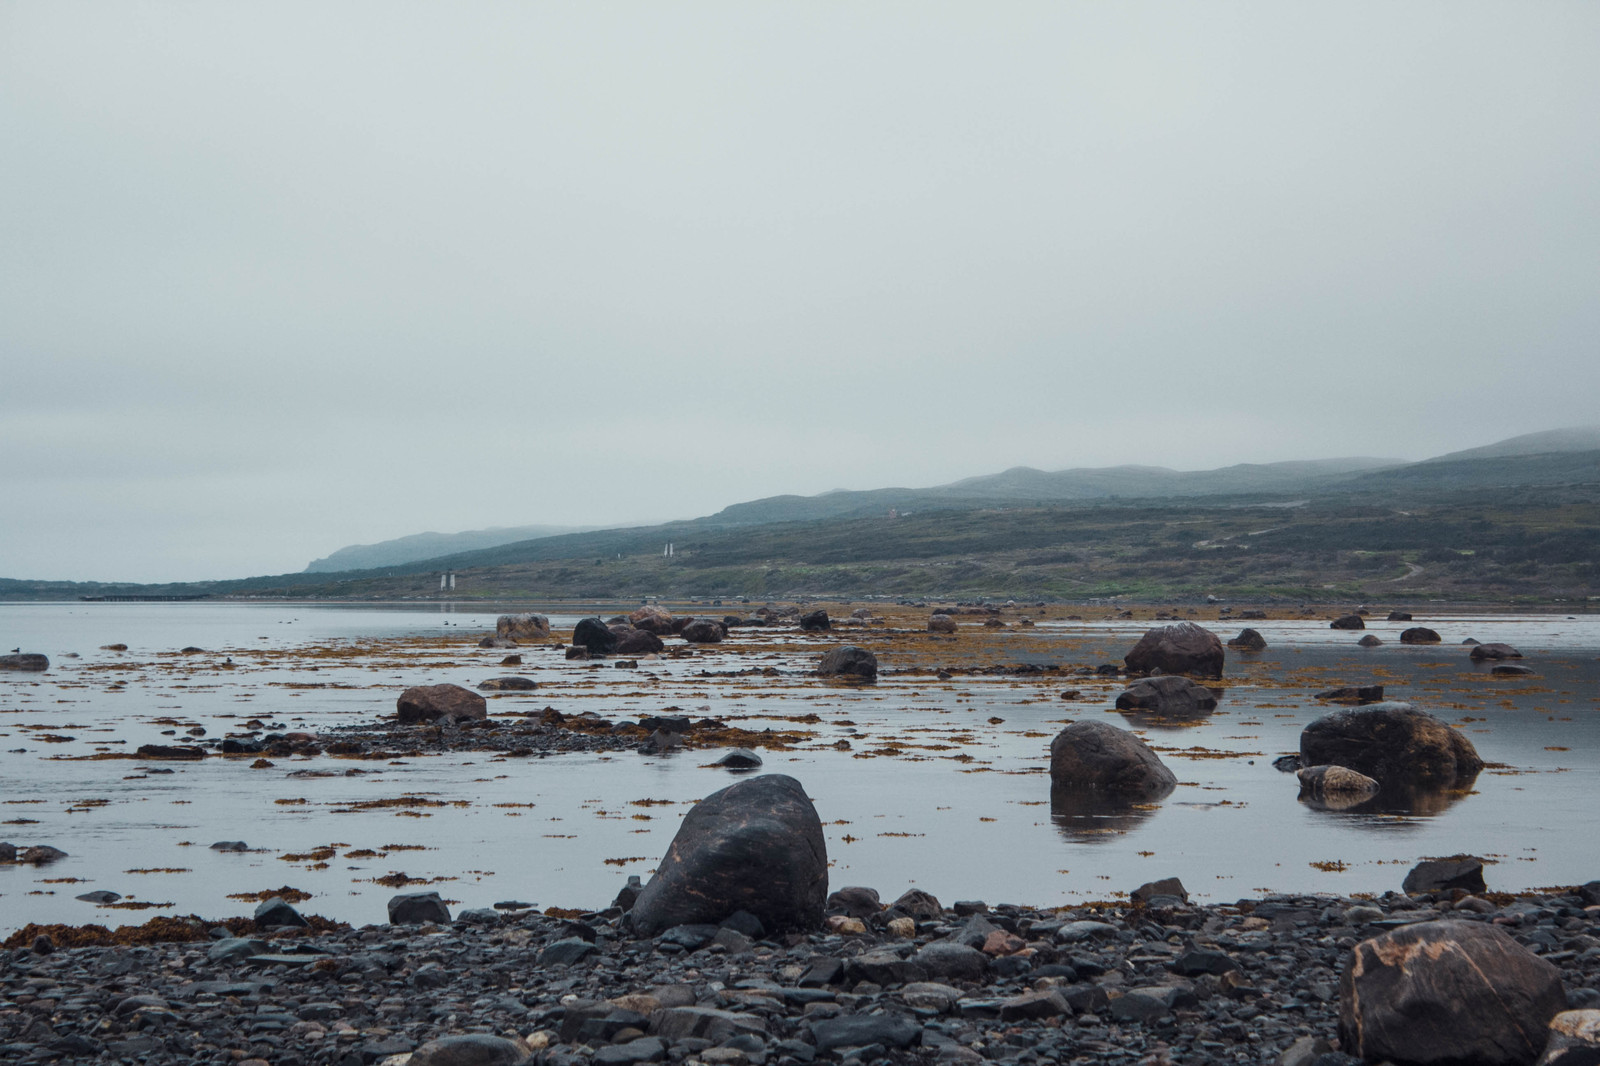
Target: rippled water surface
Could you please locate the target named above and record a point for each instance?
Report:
(943, 784)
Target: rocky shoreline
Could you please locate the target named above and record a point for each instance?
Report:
(1257, 981)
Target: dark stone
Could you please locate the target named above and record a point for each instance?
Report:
(675, 1024)
(690, 937)
(427, 703)
(859, 1030)
(1447, 992)
(1287, 764)
(638, 642)
(1399, 616)
(916, 903)
(167, 751)
(739, 759)
(1169, 886)
(849, 661)
(629, 894)
(1353, 694)
(1034, 1006)
(1095, 756)
(857, 901)
(99, 896)
(566, 952)
(944, 960)
(27, 660)
(1179, 648)
(230, 845)
(1511, 670)
(508, 684)
(1348, 621)
(470, 1049)
(941, 623)
(39, 855)
(815, 622)
(1169, 694)
(704, 631)
(755, 846)
(667, 723)
(593, 636)
(1248, 640)
(1369, 641)
(1393, 743)
(884, 967)
(1196, 961)
(1481, 652)
(1336, 787)
(1419, 635)
(417, 908)
(1442, 875)
(746, 923)
(275, 913)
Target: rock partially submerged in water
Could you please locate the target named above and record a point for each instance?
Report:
(632, 641)
(849, 661)
(653, 619)
(1095, 756)
(1248, 640)
(1336, 782)
(1168, 694)
(417, 908)
(1447, 992)
(1179, 648)
(755, 846)
(1369, 641)
(1419, 635)
(26, 660)
(1480, 652)
(815, 621)
(1393, 743)
(1348, 621)
(508, 684)
(429, 703)
(1353, 694)
(941, 623)
(522, 627)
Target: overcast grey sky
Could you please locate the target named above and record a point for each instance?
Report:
(277, 277)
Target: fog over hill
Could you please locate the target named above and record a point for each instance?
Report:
(418, 546)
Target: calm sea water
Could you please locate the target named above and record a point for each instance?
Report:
(932, 791)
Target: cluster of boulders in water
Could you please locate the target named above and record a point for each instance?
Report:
(736, 954)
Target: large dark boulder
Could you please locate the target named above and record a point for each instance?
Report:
(1348, 621)
(593, 636)
(1395, 744)
(704, 631)
(1169, 694)
(1179, 648)
(1443, 875)
(632, 641)
(1419, 635)
(754, 846)
(1095, 756)
(1451, 992)
(815, 621)
(1248, 640)
(27, 660)
(1353, 694)
(418, 908)
(849, 661)
(941, 623)
(508, 684)
(652, 619)
(522, 627)
(1480, 652)
(426, 703)
(1335, 787)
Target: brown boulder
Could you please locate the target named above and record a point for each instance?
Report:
(704, 631)
(1481, 652)
(27, 660)
(1394, 743)
(1348, 621)
(639, 641)
(652, 619)
(1419, 635)
(1179, 648)
(1446, 993)
(522, 627)
(941, 623)
(426, 703)
(1095, 756)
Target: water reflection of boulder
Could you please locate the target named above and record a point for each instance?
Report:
(1393, 800)
(1088, 817)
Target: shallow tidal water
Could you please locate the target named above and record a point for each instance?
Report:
(943, 785)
